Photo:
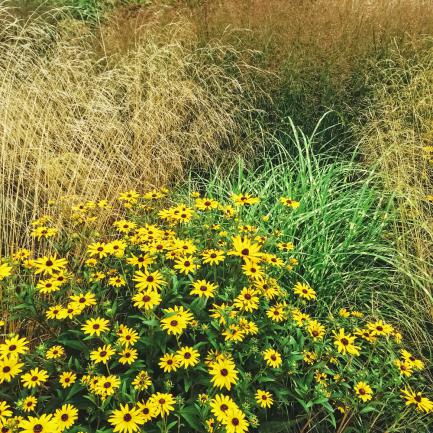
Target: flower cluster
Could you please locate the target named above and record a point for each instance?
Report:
(185, 316)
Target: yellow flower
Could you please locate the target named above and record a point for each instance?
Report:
(423, 404)
(264, 398)
(9, 368)
(126, 419)
(95, 326)
(304, 291)
(344, 313)
(14, 346)
(186, 265)
(345, 343)
(169, 362)
(188, 357)
(148, 410)
(203, 288)
(244, 199)
(147, 299)
(49, 265)
(149, 280)
(5, 411)
(29, 403)
(142, 381)
(272, 358)
(128, 356)
(224, 373)
(34, 378)
(235, 421)
(288, 202)
(67, 379)
(163, 403)
(213, 257)
(66, 416)
(206, 204)
(405, 368)
(380, 328)
(102, 354)
(247, 300)
(316, 330)
(98, 249)
(107, 385)
(243, 247)
(220, 405)
(363, 391)
(408, 357)
(127, 336)
(42, 424)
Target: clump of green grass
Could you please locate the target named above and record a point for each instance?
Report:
(342, 231)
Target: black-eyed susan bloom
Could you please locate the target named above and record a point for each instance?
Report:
(67, 379)
(35, 377)
(9, 368)
(147, 409)
(220, 405)
(5, 411)
(422, 403)
(42, 424)
(224, 373)
(102, 354)
(5, 271)
(29, 403)
(212, 257)
(316, 330)
(163, 403)
(149, 280)
(235, 421)
(203, 289)
(126, 419)
(345, 343)
(127, 336)
(272, 358)
(304, 291)
(66, 416)
(363, 391)
(169, 362)
(417, 364)
(95, 326)
(186, 265)
(142, 381)
(14, 346)
(245, 248)
(147, 299)
(264, 398)
(188, 356)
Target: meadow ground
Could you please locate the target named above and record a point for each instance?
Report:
(214, 220)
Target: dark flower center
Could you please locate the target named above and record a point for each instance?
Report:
(150, 279)
(245, 251)
(235, 421)
(161, 401)
(49, 263)
(127, 417)
(224, 407)
(187, 355)
(12, 347)
(174, 323)
(6, 369)
(224, 372)
(344, 341)
(65, 417)
(213, 256)
(38, 428)
(103, 353)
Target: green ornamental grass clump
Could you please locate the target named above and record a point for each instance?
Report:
(191, 313)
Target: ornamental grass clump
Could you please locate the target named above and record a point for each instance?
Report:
(184, 317)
